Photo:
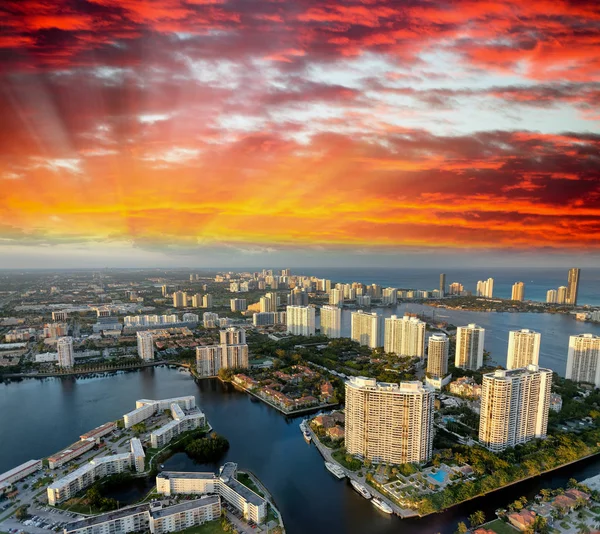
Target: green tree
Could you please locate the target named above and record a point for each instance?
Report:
(477, 518)
(461, 528)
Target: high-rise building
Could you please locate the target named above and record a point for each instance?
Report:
(485, 288)
(390, 423)
(331, 322)
(238, 305)
(437, 355)
(514, 407)
(523, 348)
(268, 303)
(286, 272)
(365, 328)
(66, 356)
(231, 353)
(179, 299)
(443, 284)
(164, 290)
(207, 301)
(55, 330)
(456, 288)
(573, 286)
(197, 300)
(561, 295)
(389, 296)
(583, 360)
(518, 291)
(469, 347)
(298, 297)
(60, 316)
(404, 337)
(336, 297)
(301, 320)
(232, 336)
(210, 319)
(145, 345)
(551, 296)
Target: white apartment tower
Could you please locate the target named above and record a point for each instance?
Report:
(231, 353)
(523, 348)
(518, 291)
(437, 355)
(551, 296)
(469, 347)
(300, 320)
(390, 423)
(66, 356)
(404, 337)
(485, 288)
(232, 336)
(365, 328)
(389, 296)
(514, 407)
(336, 297)
(561, 295)
(331, 321)
(583, 360)
(145, 345)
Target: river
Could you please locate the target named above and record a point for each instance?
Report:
(39, 417)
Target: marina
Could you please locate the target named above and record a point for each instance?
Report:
(360, 488)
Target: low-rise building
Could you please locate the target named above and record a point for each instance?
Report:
(145, 408)
(555, 402)
(99, 432)
(19, 473)
(70, 453)
(149, 518)
(253, 506)
(138, 455)
(465, 387)
(68, 486)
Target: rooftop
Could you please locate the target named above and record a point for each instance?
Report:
(189, 505)
(185, 474)
(103, 518)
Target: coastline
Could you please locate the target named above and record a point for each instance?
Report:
(303, 411)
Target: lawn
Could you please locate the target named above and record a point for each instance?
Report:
(247, 481)
(212, 527)
(353, 465)
(501, 527)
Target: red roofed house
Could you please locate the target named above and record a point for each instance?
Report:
(522, 520)
(335, 433)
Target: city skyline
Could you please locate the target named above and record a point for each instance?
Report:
(173, 132)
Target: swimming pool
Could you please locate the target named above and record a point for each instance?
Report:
(440, 477)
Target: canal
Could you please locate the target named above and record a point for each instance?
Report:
(38, 417)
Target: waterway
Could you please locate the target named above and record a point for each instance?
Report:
(38, 417)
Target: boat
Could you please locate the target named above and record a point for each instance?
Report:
(361, 489)
(307, 436)
(335, 470)
(383, 506)
(302, 425)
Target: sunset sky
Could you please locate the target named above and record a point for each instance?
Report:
(215, 132)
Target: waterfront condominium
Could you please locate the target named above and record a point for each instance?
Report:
(514, 407)
(518, 291)
(268, 303)
(485, 288)
(583, 359)
(443, 285)
(469, 347)
(551, 296)
(523, 348)
(437, 356)
(573, 286)
(66, 356)
(561, 295)
(300, 320)
(331, 321)
(231, 353)
(389, 296)
(336, 297)
(391, 423)
(145, 345)
(207, 301)
(404, 336)
(365, 328)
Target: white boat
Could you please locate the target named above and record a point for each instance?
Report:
(335, 470)
(307, 436)
(302, 425)
(383, 506)
(361, 489)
